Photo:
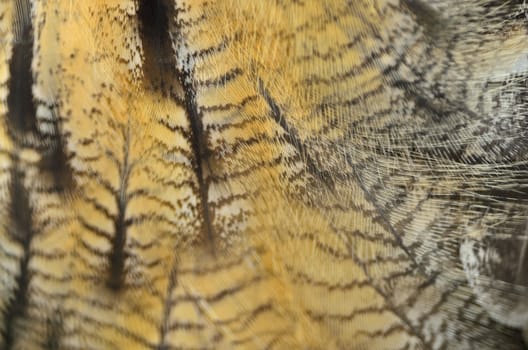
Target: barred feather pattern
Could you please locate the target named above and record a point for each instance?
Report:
(282, 174)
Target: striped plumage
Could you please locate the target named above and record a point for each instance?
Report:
(263, 174)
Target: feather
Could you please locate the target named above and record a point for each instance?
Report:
(234, 174)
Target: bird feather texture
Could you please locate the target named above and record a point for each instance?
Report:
(264, 174)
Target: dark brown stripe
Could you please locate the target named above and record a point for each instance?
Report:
(20, 103)
(55, 160)
(322, 317)
(303, 278)
(54, 331)
(221, 79)
(20, 227)
(21, 120)
(427, 17)
(233, 290)
(198, 139)
(118, 254)
(124, 332)
(229, 106)
(245, 318)
(158, 60)
(166, 324)
(382, 333)
(292, 137)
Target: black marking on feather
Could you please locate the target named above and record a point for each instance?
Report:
(21, 230)
(118, 253)
(158, 57)
(159, 62)
(502, 10)
(201, 156)
(434, 105)
(292, 137)
(441, 114)
(21, 119)
(379, 287)
(167, 305)
(56, 161)
(427, 17)
(21, 107)
(200, 149)
(54, 328)
(448, 119)
(384, 218)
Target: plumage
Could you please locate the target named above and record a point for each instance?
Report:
(264, 174)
